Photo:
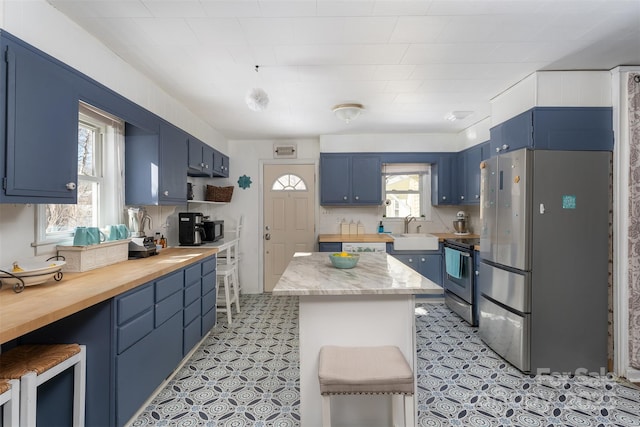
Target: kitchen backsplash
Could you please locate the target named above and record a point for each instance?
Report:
(441, 219)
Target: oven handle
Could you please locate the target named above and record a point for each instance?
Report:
(467, 254)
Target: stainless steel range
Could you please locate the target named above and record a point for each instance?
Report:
(460, 293)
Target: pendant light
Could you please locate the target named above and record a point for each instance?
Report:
(257, 99)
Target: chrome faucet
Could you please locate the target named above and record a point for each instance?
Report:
(407, 220)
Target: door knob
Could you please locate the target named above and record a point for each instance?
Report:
(267, 236)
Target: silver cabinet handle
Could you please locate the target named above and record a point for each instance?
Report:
(202, 164)
(344, 197)
(166, 193)
(267, 236)
(444, 197)
(410, 259)
(497, 149)
(71, 186)
(477, 273)
(461, 197)
(505, 147)
(477, 196)
(422, 259)
(357, 197)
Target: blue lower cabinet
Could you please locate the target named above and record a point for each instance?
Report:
(429, 264)
(143, 367)
(134, 342)
(329, 247)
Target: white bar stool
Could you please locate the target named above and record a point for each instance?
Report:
(10, 400)
(365, 370)
(35, 364)
(227, 280)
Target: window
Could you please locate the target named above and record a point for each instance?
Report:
(289, 182)
(100, 172)
(407, 190)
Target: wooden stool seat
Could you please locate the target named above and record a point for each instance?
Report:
(34, 364)
(34, 358)
(364, 370)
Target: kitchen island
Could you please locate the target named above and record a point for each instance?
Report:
(371, 304)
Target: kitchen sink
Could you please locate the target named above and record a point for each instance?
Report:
(415, 242)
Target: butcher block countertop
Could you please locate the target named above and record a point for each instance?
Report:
(356, 238)
(40, 305)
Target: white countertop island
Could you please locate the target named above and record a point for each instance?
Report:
(371, 304)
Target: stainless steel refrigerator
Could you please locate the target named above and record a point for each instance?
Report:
(544, 250)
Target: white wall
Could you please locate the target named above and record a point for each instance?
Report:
(553, 89)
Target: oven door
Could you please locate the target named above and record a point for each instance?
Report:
(462, 287)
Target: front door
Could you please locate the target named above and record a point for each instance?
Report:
(289, 217)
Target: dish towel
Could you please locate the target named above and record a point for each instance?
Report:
(453, 262)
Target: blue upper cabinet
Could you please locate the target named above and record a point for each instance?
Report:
(444, 180)
(350, 179)
(39, 118)
(173, 165)
(468, 175)
(555, 128)
(220, 165)
(155, 166)
(200, 158)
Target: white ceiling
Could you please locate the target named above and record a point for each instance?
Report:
(410, 63)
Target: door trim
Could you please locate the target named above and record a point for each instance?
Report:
(316, 207)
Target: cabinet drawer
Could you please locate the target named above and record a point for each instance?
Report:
(208, 283)
(191, 335)
(191, 312)
(169, 285)
(191, 274)
(134, 302)
(208, 266)
(168, 307)
(208, 321)
(192, 293)
(208, 301)
(134, 331)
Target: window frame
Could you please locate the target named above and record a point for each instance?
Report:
(100, 122)
(424, 190)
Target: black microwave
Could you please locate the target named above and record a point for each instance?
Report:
(213, 231)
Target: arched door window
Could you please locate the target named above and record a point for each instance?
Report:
(289, 182)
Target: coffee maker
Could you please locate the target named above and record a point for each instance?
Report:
(190, 228)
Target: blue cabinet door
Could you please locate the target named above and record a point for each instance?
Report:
(443, 181)
(330, 247)
(335, 176)
(41, 128)
(473, 157)
(366, 180)
(513, 134)
(430, 266)
(220, 165)
(200, 158)
(173, 165)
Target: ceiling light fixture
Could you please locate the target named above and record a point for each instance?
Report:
(347, 112)
(458, 115)
(257, 99)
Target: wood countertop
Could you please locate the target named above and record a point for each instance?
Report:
(40, 305)
(356, 238)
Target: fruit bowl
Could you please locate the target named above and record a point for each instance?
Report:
(344, 259)
(31, 273)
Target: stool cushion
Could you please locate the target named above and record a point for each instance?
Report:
(34, 358)
(364, 370)
(4, 386)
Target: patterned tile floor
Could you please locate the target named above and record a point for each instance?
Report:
(246, 374)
